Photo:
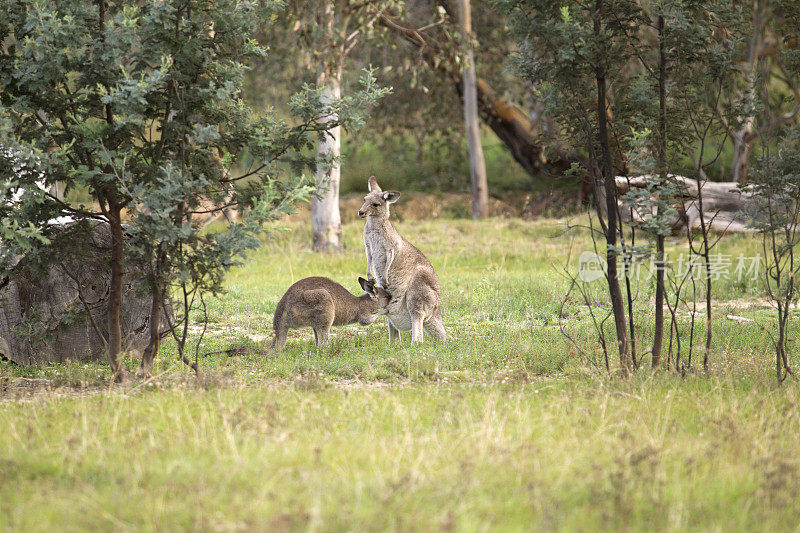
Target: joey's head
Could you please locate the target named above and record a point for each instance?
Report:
(374, 304)
(376, 203)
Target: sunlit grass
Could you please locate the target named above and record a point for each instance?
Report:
(505, 426)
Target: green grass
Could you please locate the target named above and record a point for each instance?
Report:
(504, 427)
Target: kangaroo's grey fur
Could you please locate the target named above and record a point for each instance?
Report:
(402, 269)
(321, 303)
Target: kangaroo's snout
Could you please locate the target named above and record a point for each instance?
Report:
(361, 214)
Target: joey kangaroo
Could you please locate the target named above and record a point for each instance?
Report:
(321, 303)
(402, 269)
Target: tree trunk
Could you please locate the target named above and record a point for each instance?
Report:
(511, 124)
(477, 166)
(325, 217)
(658, 327)
(611, 234)
(156, 305)
(742, 146)
(609, 182)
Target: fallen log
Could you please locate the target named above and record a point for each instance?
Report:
(723, 204)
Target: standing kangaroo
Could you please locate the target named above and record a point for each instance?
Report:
(321, 303)
(401, 269)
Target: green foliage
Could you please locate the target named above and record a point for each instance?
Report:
(775, 187)
(774, 209)
(140, 104)
(566, 46)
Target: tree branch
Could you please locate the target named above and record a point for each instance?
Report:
(510, 123)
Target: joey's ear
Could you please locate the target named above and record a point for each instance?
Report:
(373, 184)
(368, 286)
(391, 196)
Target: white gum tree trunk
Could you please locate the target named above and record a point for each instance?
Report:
(325, 218)
(477, 166)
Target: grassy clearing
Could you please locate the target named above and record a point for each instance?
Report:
(506, 426)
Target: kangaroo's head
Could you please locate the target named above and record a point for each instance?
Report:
(376, 203)
(373, 303)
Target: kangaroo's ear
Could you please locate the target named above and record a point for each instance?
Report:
(368, 286)
(373, 185)
(391, 196)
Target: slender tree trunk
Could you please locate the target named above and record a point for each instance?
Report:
(658, 329)
(611, 235)
(742, 146)
(706, 253)
(114, 215)
(779, 347)
(477, 166)
(709, 328)
(610, 187)
(325, 217)
(629, 294)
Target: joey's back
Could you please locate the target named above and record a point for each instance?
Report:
(308, 294)
(320, 303)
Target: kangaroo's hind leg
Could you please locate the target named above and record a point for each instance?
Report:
(321, 313)
(321, 335)
(421, 305)
(322, 328)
